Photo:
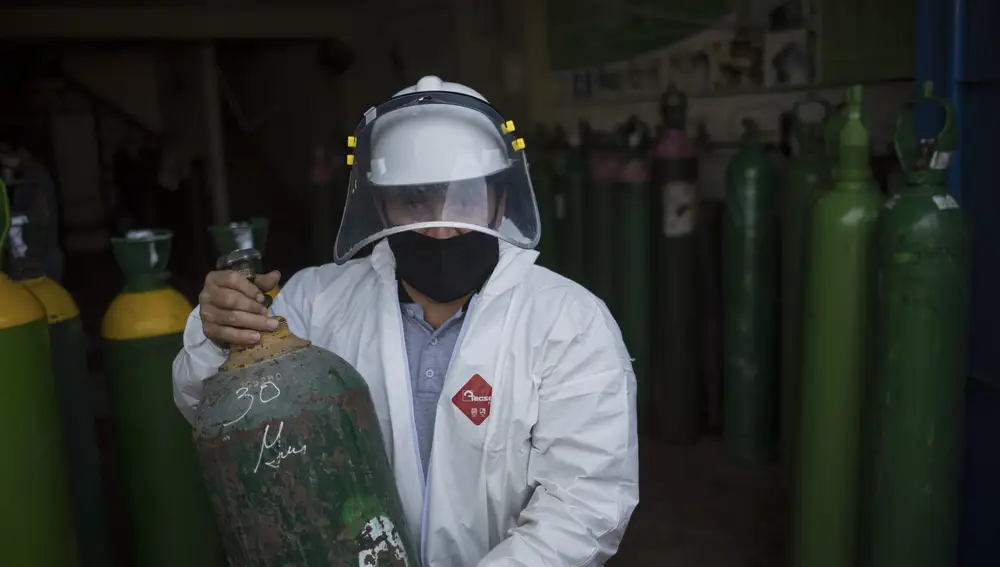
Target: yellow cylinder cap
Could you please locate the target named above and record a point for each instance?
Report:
(145, 314)
(58, 303)
(17, 305)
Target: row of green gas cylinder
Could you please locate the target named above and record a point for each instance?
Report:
(54, 512)
(843, 313)
(872, 310)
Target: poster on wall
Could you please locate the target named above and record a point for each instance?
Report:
(602, 55)
(711, 62)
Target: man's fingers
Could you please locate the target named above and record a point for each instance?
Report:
(231, 307)
(237, 319)
(267, 282)
(230, 335)
(234, 280)
(236, 301)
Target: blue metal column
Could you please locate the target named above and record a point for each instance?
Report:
(931, 42)
(954, 22)
(958, 46)
(975, 88)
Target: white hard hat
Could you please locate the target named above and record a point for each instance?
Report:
(435, 143)
(436, 154)
(431, 83)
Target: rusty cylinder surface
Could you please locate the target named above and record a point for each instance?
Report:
(295, 464)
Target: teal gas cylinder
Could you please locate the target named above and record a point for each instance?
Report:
(293, 456)
(604, 159)
(633, 259)
(569, 168)
(750, 279)
(543, 181)
(808, 177)
(917, 391)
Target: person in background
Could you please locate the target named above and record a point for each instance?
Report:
(504, 390)
(31, 188)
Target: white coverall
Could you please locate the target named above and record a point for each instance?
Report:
(550, 477)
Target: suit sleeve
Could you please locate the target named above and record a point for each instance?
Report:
(201, 358)
(584, 459)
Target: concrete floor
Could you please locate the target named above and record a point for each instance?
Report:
(698, 510)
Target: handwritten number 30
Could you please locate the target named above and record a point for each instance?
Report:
(244, 394)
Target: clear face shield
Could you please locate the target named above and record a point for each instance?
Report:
(436, 160)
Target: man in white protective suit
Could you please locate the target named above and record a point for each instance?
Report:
(505, 394)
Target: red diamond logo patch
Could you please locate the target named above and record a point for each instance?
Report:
(473, 399)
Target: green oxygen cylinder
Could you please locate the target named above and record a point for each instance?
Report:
(36, 515)
(293, 456)
(576, 206)
(677, 391)
(808, 177)
(839, 285)
(604, 164)
(167, 504)
(632, 284)
(26, 247)
(580, 159)
(556, 152)
(750, 274)
(543, 182)
(920, 367)
(835, 122)
(570, 174)
(242, 236)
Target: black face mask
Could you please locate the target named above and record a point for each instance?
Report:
(444, 269)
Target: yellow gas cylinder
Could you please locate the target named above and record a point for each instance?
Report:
(26, 252)
(35, 506)
(143, 330)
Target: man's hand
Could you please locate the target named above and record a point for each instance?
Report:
(232, 307)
